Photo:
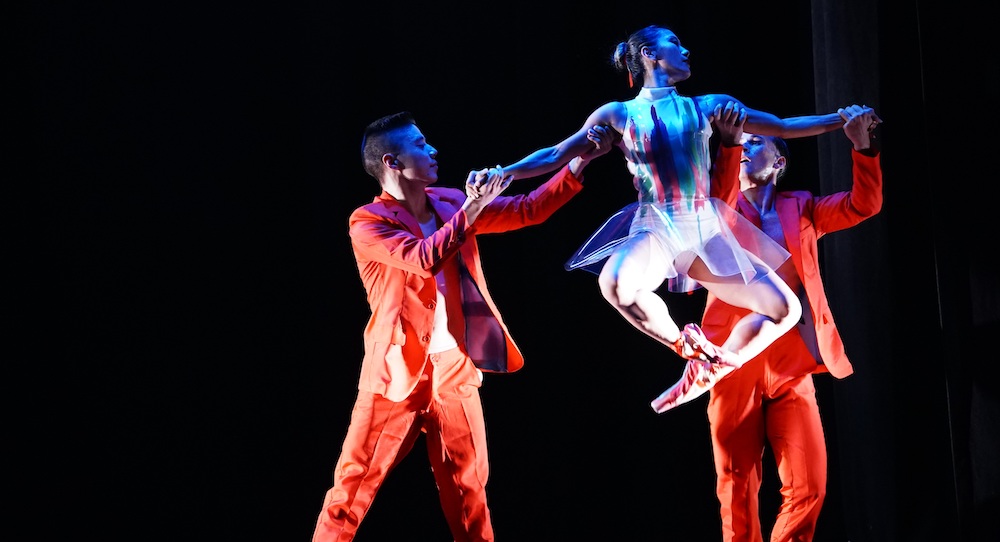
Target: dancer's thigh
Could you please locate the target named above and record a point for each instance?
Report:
(638, 264)
(767, 294)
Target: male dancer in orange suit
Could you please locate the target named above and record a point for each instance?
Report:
(773, 396)
(434, 328)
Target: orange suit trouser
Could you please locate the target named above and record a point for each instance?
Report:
(446, 406)
(772, 397)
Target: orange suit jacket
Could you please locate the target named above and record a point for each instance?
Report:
(397, 267)
(804, 220)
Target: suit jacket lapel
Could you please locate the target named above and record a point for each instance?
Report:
(788, 214)
(395, 210)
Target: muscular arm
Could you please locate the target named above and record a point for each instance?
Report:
(764, 123)
(760, 122)
(552, 158)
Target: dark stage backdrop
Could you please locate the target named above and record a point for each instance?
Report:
(193, 317)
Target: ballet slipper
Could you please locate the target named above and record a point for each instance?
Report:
(679, 346)
(686, 348)
(705, 350)
(699, 377)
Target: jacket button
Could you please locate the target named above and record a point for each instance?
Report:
(426, 338)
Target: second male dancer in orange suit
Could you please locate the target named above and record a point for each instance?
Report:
(773, 397)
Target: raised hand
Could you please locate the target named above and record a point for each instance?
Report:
(479, 182)
(859, 122)
(483, 175)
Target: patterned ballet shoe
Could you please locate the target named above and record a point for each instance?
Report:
(705, 350)
(681, 347)
(699, 377)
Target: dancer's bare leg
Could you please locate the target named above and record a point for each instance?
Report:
(629, 280)
(775, 309)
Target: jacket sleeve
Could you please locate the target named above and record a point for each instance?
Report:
(378, 238)
(512, 212)
(726, 174)
(845, 209)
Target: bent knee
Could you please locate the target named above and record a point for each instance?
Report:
(608, 284)
(783, 309)
(788, 312)
(617, 293)
(793, 310)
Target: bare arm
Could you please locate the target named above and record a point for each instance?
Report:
(761, 122)
(764, 123)
(552, 158)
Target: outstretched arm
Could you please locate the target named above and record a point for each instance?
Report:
(602, 138)
(764, 123)
(552, 158)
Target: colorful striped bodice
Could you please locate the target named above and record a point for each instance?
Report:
(667, 138)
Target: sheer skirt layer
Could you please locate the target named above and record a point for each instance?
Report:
(706, 228)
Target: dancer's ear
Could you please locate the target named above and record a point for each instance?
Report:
(391, 161)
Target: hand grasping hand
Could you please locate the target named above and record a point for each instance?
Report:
(729, 123)
(479, 181)
(870, 119)
(859, 123)
(604, 139)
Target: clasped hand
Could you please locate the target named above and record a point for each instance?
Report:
(486, 181)
(861, 116)
(859, 122)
